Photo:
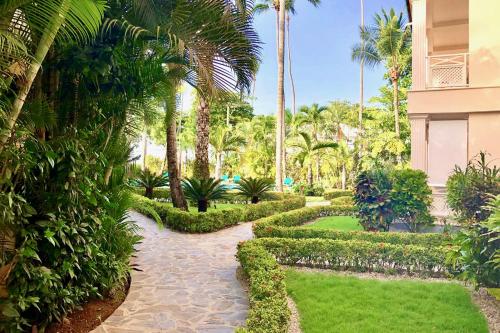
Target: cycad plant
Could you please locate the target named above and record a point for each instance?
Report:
(203, 190)
(254, 188)
(149, 181)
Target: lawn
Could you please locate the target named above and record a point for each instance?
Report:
(332, 303)
(343, 223)
(315, 199)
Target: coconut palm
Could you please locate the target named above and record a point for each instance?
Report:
(313, 116)
(387, 41)
(224, 139)
(203, 190)
(254, 188)
(307, 149)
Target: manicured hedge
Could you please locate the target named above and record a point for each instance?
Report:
(286, 225)
(342, 201)
(332, 194)
(267, 293)
(195, 222)
(158, 192)
(358, 256)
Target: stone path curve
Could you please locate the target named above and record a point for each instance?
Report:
(187, 284)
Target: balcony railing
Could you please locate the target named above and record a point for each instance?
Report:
(448, 70)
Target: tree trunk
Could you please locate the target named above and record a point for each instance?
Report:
(46, 41)
(396, 105)
(280, 97)
(344, 177)
(178, 199)
(201, 163)
(361, 73)
(218, 165)
(292, 83)
(309, 174)
(145, 151)
(255, 199)
(108, 173)
(202, 206)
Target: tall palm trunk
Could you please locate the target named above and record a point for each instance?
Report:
(290, 61)
(343, 176)
(178, 199)
(145, 152)
(201, 163)
(310, 174)
(46, 41)
(280, 97)
(218, 165)
(361, 73)
(395, 91)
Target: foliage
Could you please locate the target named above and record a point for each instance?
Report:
(212, 220)
(372, 196)
(202, 191)
(149, 181)
(254, 188)
(332, 194)
(411, 197)
(358, 256)
(477, 251)
(268, 304)
(343, 201)
(309, 190)
(469, 189)
(288, 225)
(162, 193)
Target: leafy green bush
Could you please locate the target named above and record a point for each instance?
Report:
(287, 225)
(332, 194)
(149, 181)
(309, 190)
(411, 197)
(469, 190)
(268, 304)
(213, 220)
(359, 256)
(342, 201)
(372, 196)
(254, 188)
(476, 255)
(203, 190)
(162, 193)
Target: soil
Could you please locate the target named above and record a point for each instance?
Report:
(91, 314)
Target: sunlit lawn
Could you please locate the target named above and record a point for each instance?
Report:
(342, 223)
(330, 303)
(314, 199)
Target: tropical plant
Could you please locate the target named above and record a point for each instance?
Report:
(149, 181)
(203, 190)
(314, 116)
(469, 189)
(254, 188)
(387, 41)
(223, 140)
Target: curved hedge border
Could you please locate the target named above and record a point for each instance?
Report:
(332, 194)
(195, 222)
(287, 225)
(158, 192)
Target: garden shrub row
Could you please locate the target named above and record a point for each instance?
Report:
(267, 293)
(332, 194)
(346, 200)
(195, 222)
(358, 256)
(158, 192)
(287, 225)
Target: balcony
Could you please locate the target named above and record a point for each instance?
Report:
(447, 71)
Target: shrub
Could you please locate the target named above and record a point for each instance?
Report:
(162, 193)
(267, 293)
(476, 255)
(309, 190)
(203, 190)
(359, 256)
(343, 201)
(469, 190)
(373, 199)
(332, 194)
(254, 188)
(287, 225)
(149, 181)
(411, 197)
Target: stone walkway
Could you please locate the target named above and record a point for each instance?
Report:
(187, 283)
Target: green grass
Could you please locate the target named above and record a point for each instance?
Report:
(342, 223)
(314, 199)
(330, 303)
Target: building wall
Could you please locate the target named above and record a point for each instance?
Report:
(484, 43)
(484, 135)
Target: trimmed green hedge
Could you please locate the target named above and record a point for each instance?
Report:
(287, 225)
(267, 293)
(158, 192)
(195, 222)
(332, 194)
(358, 256)
(342, 201)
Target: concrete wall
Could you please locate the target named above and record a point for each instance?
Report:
(484, 135)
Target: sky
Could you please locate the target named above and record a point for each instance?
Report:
(321, 42)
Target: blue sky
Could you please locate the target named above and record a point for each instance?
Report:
(321, 41)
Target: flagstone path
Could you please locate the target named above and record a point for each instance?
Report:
(187, 283)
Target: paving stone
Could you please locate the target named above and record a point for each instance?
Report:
(187, 283)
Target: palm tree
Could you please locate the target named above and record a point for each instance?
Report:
(307, 150)
(254, 188)
(37, 26)
(223, 140)
(313, 116)
(388, 41)
(203, 190)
